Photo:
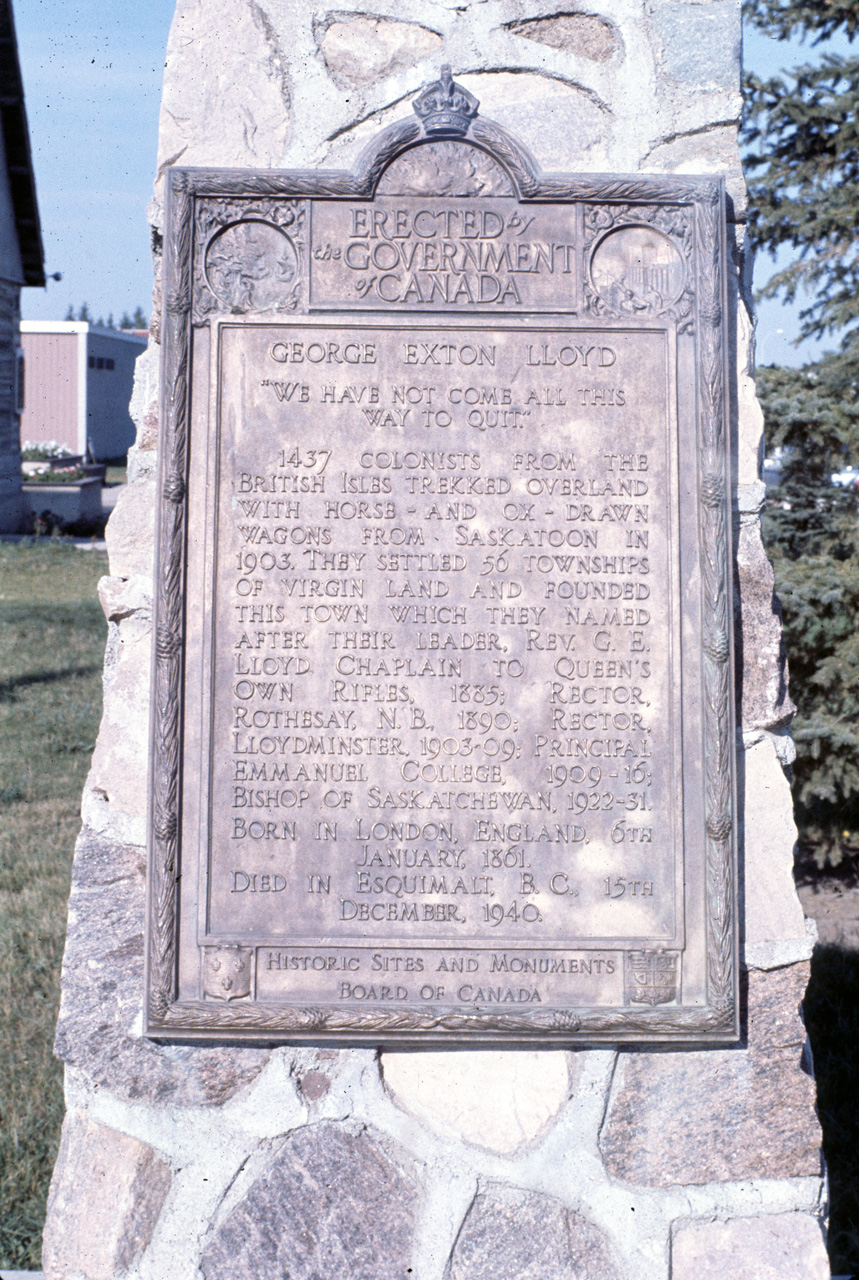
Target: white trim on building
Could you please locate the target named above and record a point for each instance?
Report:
(82, 331)
(76, 326)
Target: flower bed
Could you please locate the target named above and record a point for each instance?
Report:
(47, 451)
(43, 473)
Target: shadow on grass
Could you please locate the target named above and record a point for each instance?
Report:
(9, 688)
(831, 1011)
(808, 871)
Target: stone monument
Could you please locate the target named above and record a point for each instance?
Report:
(284, 1091)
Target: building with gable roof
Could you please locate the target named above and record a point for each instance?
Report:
(21, 262)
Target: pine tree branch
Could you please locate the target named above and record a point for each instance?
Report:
(820, 19)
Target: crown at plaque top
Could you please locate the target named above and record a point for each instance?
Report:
(445, 107)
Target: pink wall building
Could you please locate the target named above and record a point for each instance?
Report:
(77, 386)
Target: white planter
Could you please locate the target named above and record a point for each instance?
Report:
(70, 502)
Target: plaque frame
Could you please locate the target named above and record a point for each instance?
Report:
(278, 195)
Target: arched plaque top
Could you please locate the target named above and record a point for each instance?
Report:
(448, 121)
(445, 167)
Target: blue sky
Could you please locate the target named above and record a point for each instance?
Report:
(92, 78)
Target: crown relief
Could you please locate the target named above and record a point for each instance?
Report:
(445, 108)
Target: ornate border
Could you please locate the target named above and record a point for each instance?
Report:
(698, 203)
(676, 224)
(212, 216)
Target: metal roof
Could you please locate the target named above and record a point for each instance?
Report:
(19, 162)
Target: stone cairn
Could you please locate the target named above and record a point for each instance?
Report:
(235, 1162)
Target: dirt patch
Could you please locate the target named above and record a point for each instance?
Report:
(835, 907)
(831, 898)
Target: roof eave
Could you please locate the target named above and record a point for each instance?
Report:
(19, 160)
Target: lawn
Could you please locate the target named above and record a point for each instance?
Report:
(52, 635)
(116, 473)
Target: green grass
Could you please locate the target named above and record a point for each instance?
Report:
(52, 634)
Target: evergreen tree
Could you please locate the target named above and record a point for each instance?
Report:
(812, 533)
(803, 162)
(802, 135)
(70, 314)
(138, 320)
(820, 19)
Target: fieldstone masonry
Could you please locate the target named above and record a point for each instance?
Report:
(131, 1183)
(254, 1164)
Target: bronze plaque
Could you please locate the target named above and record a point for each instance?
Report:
(443, 742)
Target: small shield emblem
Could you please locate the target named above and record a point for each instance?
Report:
(227, 972)
(652, 977)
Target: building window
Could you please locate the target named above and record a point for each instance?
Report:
(101, 362)
(108, 364)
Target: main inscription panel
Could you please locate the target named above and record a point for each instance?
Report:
(442, 726)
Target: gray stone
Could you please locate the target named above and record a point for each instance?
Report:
(775, 955)
(314, 1085)
(362, 48)
(332, 1204)
(721, 1115)
(581, 33)
(122, 597)
(701, 44)
(564, 125)
(785, 1246)
(142, 456)
(763, 698)
(511, 1234)
(525, 101)
(495, 1098)
(712, 152)
(226, 96)
(130, 531)
(751, 491)
(105, 1198)
(115, 796)
(102, 993)
(772, 910)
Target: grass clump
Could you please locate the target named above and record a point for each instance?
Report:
(52, 633)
